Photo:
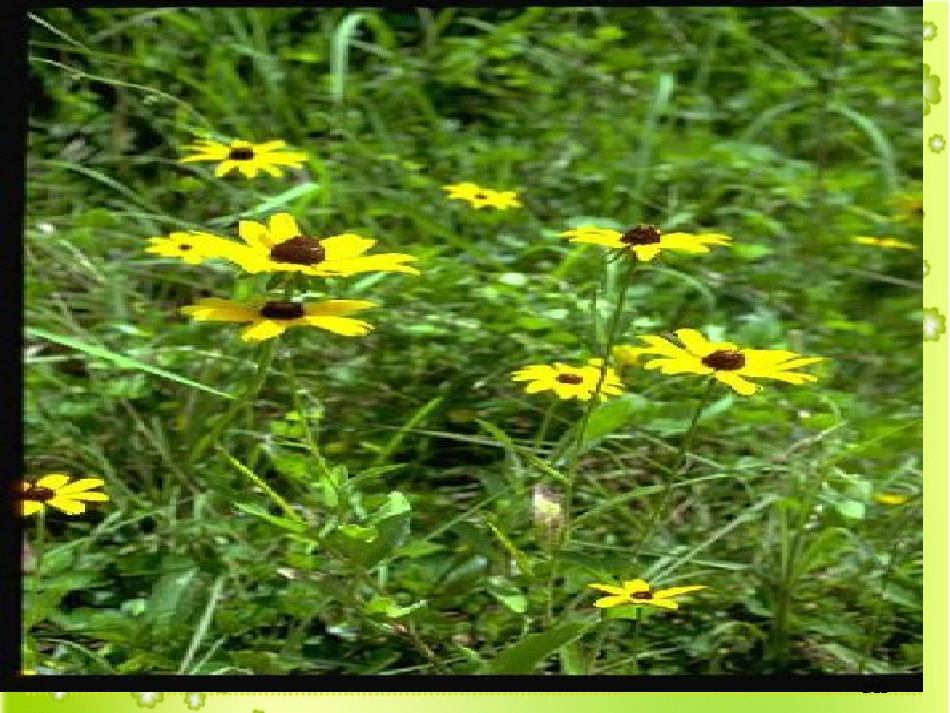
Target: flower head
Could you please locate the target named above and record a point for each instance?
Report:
(272, 318)
(931, 89)
(646, 241)
(57, 491)
(193, 247)
(280, 246)
(891, 498)
(937, 143)
(929, 31)
(570, 382)
(890, 243)
(480, 197)
(640, 593)
(724, 361)
(246, 157)
(935, 324)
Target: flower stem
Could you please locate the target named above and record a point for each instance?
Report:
(681, 455)
(40, 549)
(264, 359)
(545, 423)
(573, 458)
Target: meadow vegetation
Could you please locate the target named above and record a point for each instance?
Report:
(392, 501)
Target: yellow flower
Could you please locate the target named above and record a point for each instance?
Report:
(570, 382)
(272, 318)
(891, 498)
(640, 593)
(193, 247)
(280, 246)
(909, 207)
(645, 241)
(480, 197)
(724, 360)
(886, 243)
(56, 490)
(246, 157)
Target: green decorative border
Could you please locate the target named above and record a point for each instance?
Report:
(934, 698)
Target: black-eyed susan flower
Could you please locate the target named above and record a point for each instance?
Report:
(931, 89)
(56, 490)
(193, 247)
(281, 246)
(891, 498)
(640, 593)
(480, 197)
(571, 382)
(245, 157)
(935, 324)
(272, 318)
(646, 241)
(725, 361)
(889, 243)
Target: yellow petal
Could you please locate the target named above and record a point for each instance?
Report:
(269, 146)
(255, 234)
(607, 602)
(676, 591)
(346, 326)
(337, 308)
(632, 586)
(536, 386)
(664, 603)
(225, 168)
(219, 310)
(385, 262)
(609, 588)
(646, 253)
(346, 246)
(695, 342)
(265, 329)
(738, 384)
(29, 507)
(53, 481)
(67, 505)
(248, 168)
(80, 485)
(283, 227)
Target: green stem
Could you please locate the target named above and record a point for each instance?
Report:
(264, 360)
(637, 642)
(573, 459)
(40, 549)
(681, 457)
(545, 423)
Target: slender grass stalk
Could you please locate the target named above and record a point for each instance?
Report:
(264, 360)
(39, 550)
(573, 459)
(682, 454)
(545, 424)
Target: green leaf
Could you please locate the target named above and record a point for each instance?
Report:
(611, 416)
(120, 360)
(524, 656)
(281, 522)
(851, 508)
(396, 504)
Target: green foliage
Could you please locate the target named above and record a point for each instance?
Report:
(370, 509)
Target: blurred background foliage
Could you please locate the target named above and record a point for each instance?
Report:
(791, 129)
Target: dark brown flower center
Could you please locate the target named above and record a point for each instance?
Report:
(184, 247)
(570, 379)
(241, 154)
(641, 235)
(299, 251)
(39, 494)
(282, 310)
(481, 196)
(725, 360)
(648, 594)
